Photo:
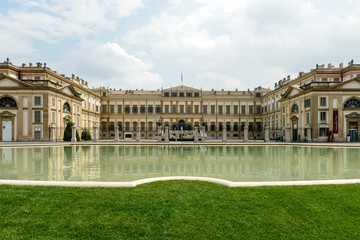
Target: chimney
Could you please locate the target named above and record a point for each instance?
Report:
(30, 64)
(341, 65)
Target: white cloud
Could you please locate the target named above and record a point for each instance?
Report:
(109, 65)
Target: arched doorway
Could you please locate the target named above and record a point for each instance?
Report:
(294, 127)
(352, 119)
(7, 118)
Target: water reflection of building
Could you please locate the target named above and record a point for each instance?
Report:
(122, 163)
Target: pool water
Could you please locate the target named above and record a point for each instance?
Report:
(129, 163)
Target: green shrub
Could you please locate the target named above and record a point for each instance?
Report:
(86, 135)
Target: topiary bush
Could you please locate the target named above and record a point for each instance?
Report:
(86, 135)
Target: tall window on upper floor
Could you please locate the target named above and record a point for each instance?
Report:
(66, 107)
(242, 109)
(307, 103)
(37, 101)
(322, 117)
(236, 109)
(295, 109)
(323, 102)
(251, 109)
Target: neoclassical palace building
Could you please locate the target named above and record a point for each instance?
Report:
(36, 103)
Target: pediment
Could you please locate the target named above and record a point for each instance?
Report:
(291, 91)
(6, 114)
(353, 115)
(70, 90)
(353, 83)
(9, 82)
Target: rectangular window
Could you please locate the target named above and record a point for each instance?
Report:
(181, 94)
(37, 101)
(158, 109)
(277, 105)
(336, 80)
(283, 122)
(111, 127)
(242, 109)
(37, 117)
(196, 94)
(322, 117)
(212, 109)
(104, 109)
(181, 109)
(324, 79)
(142, 109)
(189, 94)
(307, 118)
(258, 110)
(251, 109)
(166, 94)
(78, 121)
(53, 102)
(227, 109)
(104, 94)
(283, 110)
(205, 109)
(111, 109)
(174, 109)
(189, 109)
(166, 108)
(323, 102)
(174, 94)
(220, 109)
(236, 110)
(196, 109)
(53, 117)
(150, 109)
(258, 95)
(134, 109)
(119, 109)
(323, 132)
(127, 109)
(97, 108)
(307, 103)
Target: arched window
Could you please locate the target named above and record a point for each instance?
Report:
(352, 103)
(295, 109)
(66, 107)
(7, 102)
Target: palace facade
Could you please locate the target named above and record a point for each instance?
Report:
(36, 103)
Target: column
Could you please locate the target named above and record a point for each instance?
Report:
(167, 134)
(287, 134)
(308, 134)
(95, 135)
(73, 133)
(246, 133)
(138, 133)
(267, 133)
(196, 136)
(224, 137)
(159, 134)
(116, 139)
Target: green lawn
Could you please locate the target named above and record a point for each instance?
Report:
(180, 210)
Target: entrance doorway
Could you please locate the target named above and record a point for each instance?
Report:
(7, 131)
(353, 131)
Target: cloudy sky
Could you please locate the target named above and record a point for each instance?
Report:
(146, 44)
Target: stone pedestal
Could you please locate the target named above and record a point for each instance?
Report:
(308, 134)
(224, 137)
(196, 134)
(267, 134)
(167, 134)
(287, 135)
(73, 134)
(52, 133)
(203, 135)
(95, 134)
(246, 133)
(159, 134)
(116, 139)
(138, 132)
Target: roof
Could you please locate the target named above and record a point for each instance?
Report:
(181, 87)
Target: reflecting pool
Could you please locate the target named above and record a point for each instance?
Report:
(128, 163)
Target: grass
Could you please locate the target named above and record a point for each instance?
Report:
(180, 210)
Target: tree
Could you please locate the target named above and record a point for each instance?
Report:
(68, 132)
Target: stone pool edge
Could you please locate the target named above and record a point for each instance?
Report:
(186, 178)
